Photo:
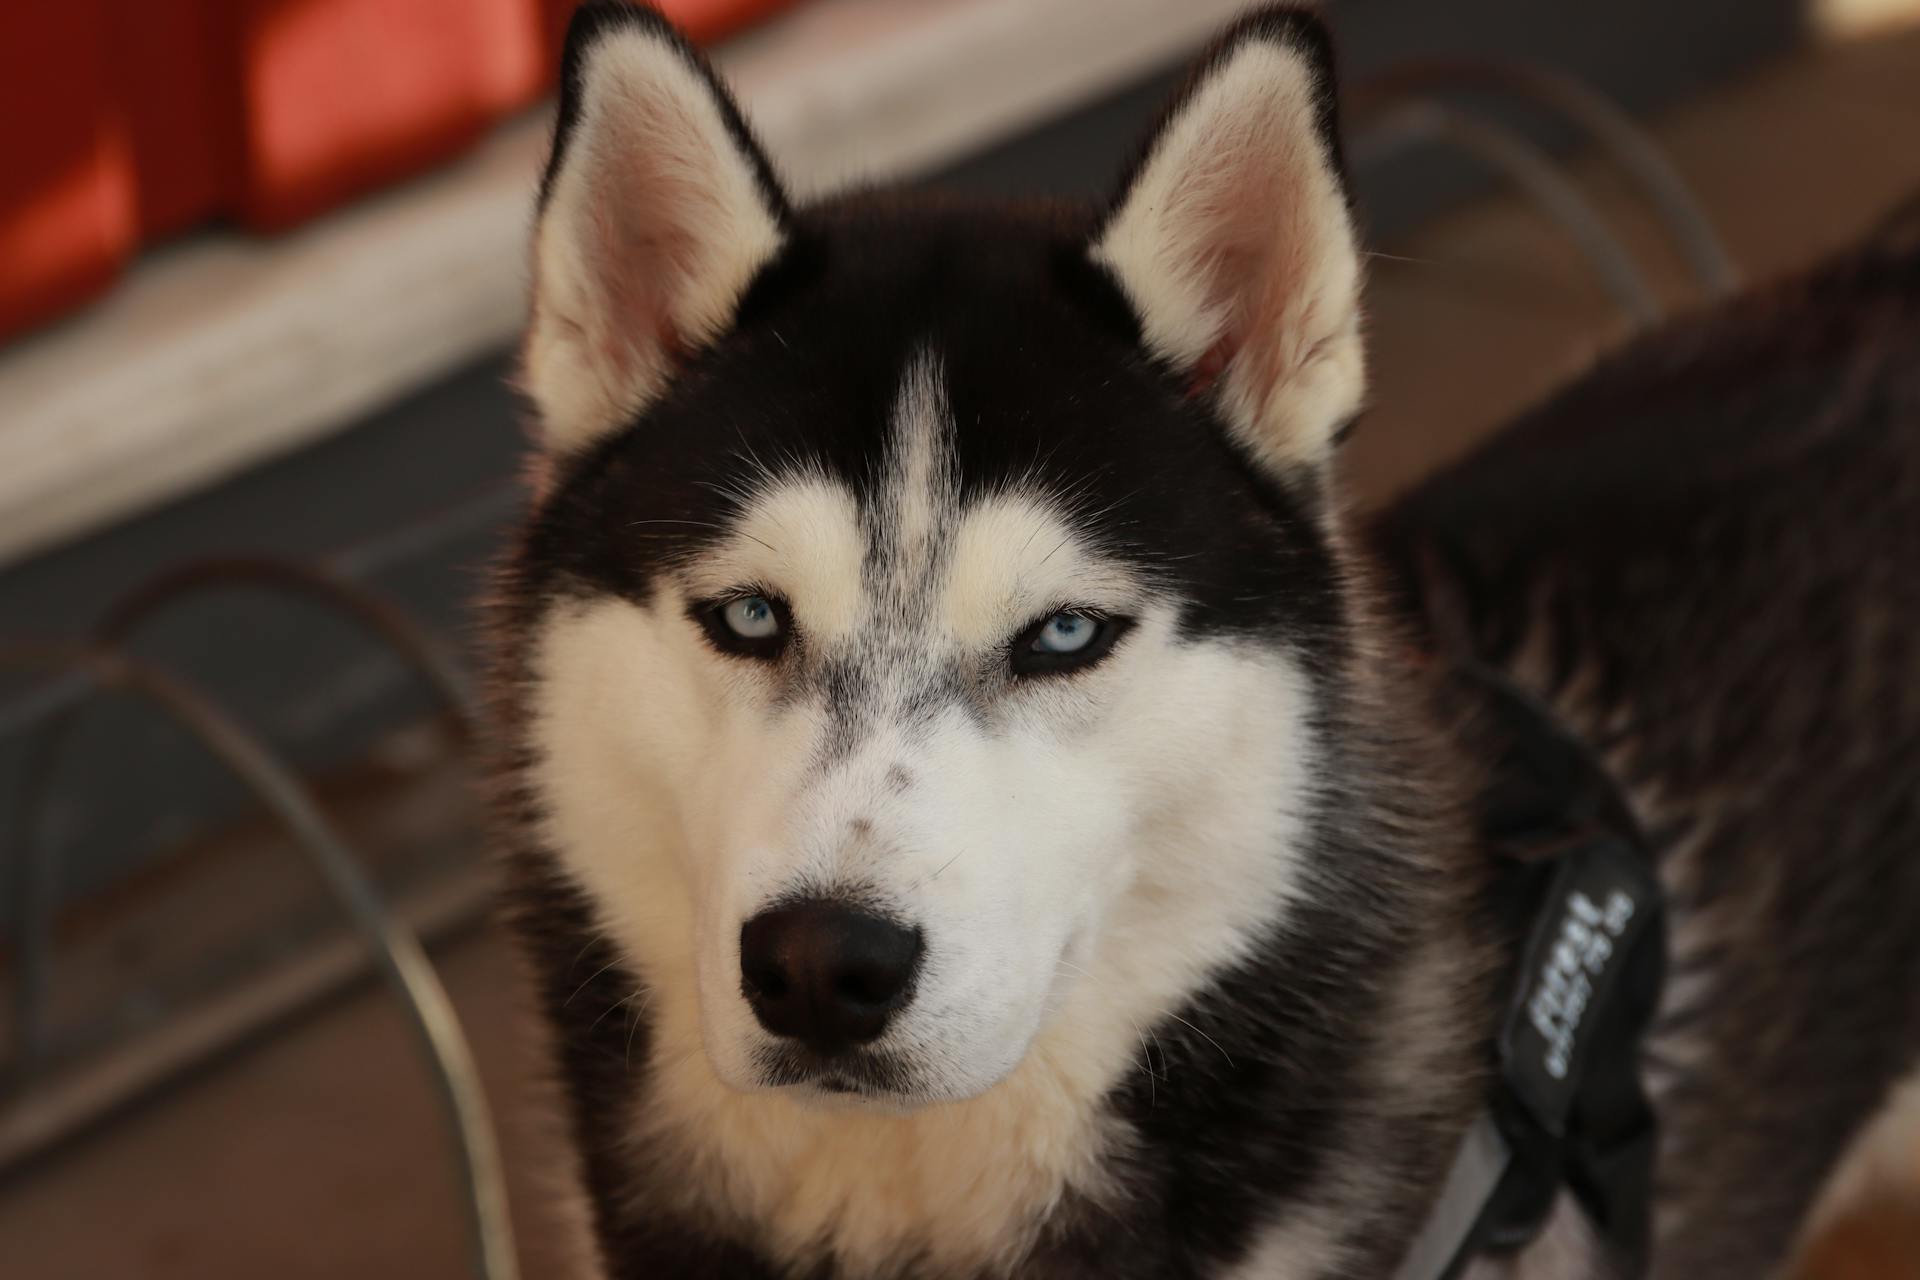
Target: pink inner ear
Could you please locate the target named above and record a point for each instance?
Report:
(646, 250)
(634, 323)
(1257, 273)
(1207, 370)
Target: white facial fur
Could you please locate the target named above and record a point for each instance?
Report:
(1079, 851)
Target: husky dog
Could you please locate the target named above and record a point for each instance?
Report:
(966, 812)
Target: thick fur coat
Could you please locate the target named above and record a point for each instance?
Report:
(1706, 556)
(979, 574)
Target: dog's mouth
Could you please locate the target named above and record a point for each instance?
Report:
(862, 1074)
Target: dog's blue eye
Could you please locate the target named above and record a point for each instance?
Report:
(1066, 633)
(752, 625)
(1065, 641)
(751, 618)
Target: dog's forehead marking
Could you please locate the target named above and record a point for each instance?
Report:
(850, 558)
(900, 666)
(918, 495)
(963, 574)
(900, 584)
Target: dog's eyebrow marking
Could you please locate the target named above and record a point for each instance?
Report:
(798, 535)
(861, 826)
(899, 779)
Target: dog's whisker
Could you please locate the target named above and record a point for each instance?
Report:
(633, 1026)
(1146, 1059)
(707, 524)
(590, 978)
(593, 939)
(942, 871)
(667, 1066)
(1401, 257)
(625, 1000)
(1203, 1035)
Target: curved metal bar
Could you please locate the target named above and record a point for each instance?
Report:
(397, 951)
(482, 509)
(33, 897)
(322, 586)
(33, 836)
(1532, 171)
(1603, 122)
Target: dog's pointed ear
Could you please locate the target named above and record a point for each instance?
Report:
(657, 210)
(1234, 240)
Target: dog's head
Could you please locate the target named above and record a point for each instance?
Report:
(931, 602)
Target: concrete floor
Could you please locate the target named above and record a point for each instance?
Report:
(321, 1153)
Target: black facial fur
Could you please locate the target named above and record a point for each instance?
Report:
(1044, 383)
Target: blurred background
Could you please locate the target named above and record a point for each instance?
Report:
(261, 269)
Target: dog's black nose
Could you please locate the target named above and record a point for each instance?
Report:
(826, 974)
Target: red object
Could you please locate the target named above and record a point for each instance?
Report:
(66, 178)
(704, 21)
(343, 96)
(129, 120)
(173, 65)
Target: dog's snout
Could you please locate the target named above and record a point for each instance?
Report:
(825, 973)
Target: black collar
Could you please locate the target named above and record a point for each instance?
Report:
(1566, 1109)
